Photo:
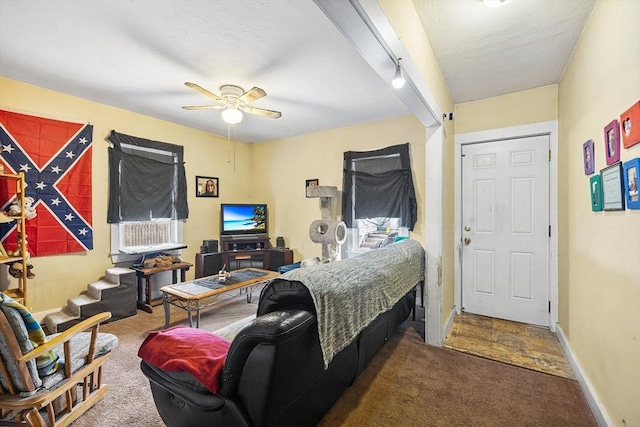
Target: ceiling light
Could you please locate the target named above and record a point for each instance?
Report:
(232, 115)
(495, 3)
(398, 79)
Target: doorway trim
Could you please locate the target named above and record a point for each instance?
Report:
(549, 128)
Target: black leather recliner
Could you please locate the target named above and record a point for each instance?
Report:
(274, 372)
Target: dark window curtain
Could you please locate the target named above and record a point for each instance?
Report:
(141, 183)
(379, 184)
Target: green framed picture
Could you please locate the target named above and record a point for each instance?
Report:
(595, 189)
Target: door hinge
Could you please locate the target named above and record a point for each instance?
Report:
(549, 231)
(549, 155)
(549, 306)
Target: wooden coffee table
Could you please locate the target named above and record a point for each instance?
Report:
(198, 294)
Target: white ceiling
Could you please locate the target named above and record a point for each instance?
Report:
(136, 55)
(484, 52)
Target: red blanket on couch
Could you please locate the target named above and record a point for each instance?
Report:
(198, 352)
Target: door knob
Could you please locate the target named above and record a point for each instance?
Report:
(467, 228)
(467, 240)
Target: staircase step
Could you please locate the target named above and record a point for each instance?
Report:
(113, 274)
(116, 292)
(74, 304)
(94, 290)
(52, 320)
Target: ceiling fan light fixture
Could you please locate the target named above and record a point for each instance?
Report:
(232, 115)
(398, 78)
(495, 3)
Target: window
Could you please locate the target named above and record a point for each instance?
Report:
(147, 196)
(379, 196)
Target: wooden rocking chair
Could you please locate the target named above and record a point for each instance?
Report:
(26, 398)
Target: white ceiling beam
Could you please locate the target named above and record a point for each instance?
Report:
(366, 26)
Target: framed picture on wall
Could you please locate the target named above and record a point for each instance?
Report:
(612, 142)
(612, 188)
(587, 157)
(630, 123)
(207, 186)
(631, 172)
(595, 188)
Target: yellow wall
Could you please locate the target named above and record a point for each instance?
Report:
(599, 275)
(520, 108)
(61, 277)
(282, 166)
(599, 271)
(273, 173)
(406, 23)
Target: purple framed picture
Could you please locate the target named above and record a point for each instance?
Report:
(587, 157)
(612, 142)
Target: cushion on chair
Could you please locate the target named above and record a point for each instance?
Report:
(198, 352)
(46, 363)
(20, 332)
(79, 350)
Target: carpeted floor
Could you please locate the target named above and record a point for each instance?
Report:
(408, 383)
(128, 401)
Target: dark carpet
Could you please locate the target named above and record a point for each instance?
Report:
(410, 383)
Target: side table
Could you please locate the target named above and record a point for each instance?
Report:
(144, 288)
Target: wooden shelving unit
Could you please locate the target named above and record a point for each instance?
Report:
(18, 293)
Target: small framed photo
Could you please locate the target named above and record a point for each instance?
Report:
(612, 142)
(595, 188)
(587, 157)
(612, 188)
(630, 123)
(631, 172)
(207, 186)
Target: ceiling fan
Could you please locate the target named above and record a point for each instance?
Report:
(233, 101)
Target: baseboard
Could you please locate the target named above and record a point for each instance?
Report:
(448, 323)
(594, 402)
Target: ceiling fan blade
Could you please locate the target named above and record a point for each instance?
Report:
(251, 95)
(203, 91)
(203, 107)
(262, 112)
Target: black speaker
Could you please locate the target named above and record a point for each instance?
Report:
(208, 264)
(278, 258)
(209, 246)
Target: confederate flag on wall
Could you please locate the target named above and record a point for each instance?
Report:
(55, 158)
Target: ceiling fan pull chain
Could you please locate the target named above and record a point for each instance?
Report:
(229, 143)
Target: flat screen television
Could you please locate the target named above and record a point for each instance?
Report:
(242, 219)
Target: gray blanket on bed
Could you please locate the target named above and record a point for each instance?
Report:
(350, 294)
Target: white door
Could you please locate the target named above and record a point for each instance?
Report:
(505, 229)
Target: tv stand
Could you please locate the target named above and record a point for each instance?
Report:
(247, 244)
